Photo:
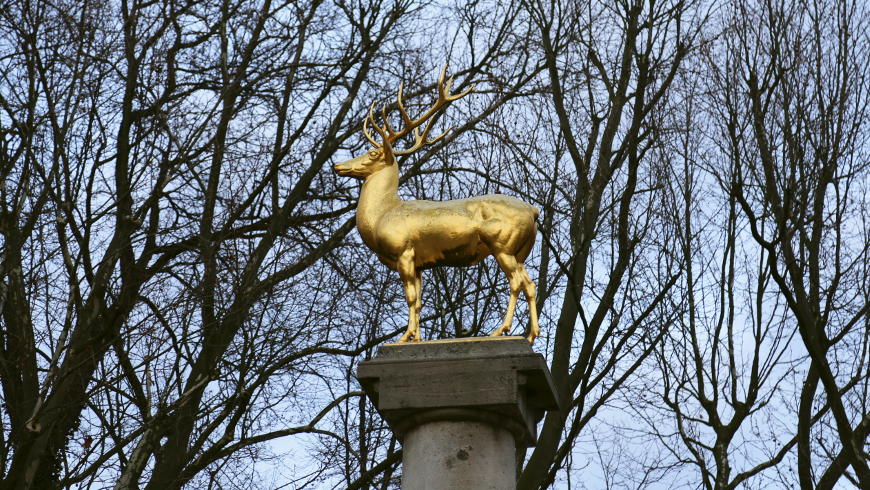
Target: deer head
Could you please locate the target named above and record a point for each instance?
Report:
(383, 154)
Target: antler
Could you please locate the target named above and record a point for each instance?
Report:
(389, 135)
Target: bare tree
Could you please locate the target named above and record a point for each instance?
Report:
(175, 247)
(729, 353)
(183, 300)
(779, 138)
(796, 130)
(609, 69)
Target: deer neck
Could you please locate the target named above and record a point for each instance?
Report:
(379, 194)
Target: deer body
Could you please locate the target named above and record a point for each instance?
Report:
(455, 233)
(411, 236)
(460, 232)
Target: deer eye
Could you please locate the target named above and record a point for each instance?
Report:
(375, 154)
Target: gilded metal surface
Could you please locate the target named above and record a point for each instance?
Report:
(411, 236)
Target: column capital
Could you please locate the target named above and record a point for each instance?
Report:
(499, 381)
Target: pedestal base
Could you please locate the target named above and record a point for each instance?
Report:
(460, 408)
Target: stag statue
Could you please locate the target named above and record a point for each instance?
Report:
(412, 236)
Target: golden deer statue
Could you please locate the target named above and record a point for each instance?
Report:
(411, 236)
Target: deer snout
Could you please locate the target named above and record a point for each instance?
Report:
(342, 168)
(355, 167)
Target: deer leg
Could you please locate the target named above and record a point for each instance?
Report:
(418, 305)
(509, 265)
(531, 296)
(408, 273)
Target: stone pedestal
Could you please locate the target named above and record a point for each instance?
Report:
(460, 408)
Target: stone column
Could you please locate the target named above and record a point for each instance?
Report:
(460, 408)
